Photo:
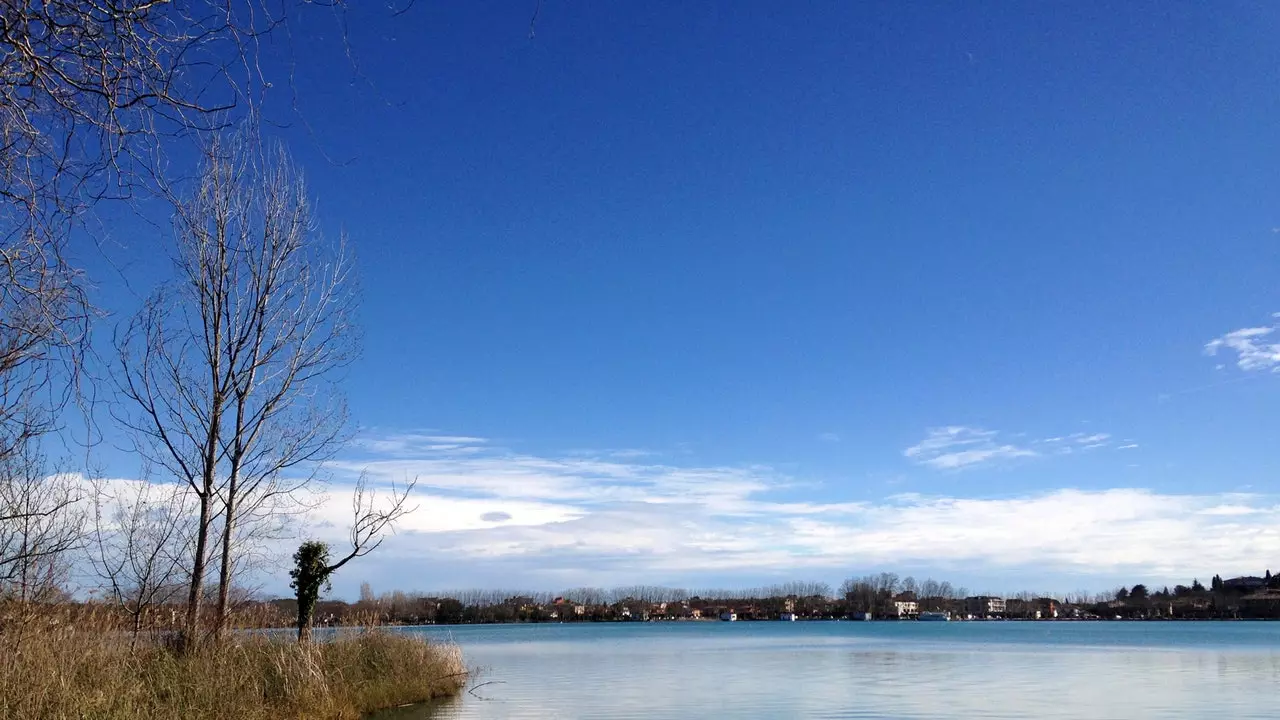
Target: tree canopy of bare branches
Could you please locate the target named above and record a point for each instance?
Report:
(39, 522)
(136, 544)
(89, 92)
(228, 371)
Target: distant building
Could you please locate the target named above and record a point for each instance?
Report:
(1046, 609)
(984, 606)
(906, 608)
(1245, 584)
(1263, 604)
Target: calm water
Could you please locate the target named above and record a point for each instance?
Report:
(867, 670)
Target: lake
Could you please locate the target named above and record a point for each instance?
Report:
(866, 670)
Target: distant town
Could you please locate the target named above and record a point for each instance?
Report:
(882, 596)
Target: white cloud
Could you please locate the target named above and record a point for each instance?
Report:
(1252, 346)
(829, 437)
(505, 518)
(957, 446)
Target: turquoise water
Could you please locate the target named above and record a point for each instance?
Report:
(867, 670)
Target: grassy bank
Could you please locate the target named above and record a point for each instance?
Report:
(51, 670)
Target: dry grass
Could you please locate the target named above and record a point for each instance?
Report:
(52, 667)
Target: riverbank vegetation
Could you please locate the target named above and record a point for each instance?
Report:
(77, 662)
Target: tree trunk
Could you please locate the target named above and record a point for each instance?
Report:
(194, 596)
(304, 623)
(224, 573)
(208, 480)
(137, 630)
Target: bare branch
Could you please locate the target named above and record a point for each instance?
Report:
(371, 522)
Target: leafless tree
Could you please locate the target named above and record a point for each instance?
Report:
(137, 546)
(289, 322)
(648, 594)
(800, 590)
(40, 522)
(589, 596)
(909, 585)
(929, 588)
(860, 594)
(229, 369)
(946, 591)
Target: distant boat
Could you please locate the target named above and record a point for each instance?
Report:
(788, 617)
(729, 616)
(943, 616)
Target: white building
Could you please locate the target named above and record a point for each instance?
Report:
(906, 608)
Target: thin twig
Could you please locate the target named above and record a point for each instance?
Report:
(472, 690)
(533, 21)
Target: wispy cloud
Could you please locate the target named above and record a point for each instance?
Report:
(957, 446)
(829, 437)
(417, 443)
(1068, 444)
(1254, 347)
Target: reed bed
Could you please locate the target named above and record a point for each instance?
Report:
(83, 665)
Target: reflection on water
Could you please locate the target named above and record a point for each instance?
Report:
(867, 670)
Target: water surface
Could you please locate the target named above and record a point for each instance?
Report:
(866, 670)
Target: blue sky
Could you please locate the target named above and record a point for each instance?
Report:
(713, 294)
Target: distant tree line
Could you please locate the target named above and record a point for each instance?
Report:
(875, 594)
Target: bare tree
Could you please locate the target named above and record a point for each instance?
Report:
(137, 543)
(288, 316)
(40, 523)
(229, 368)
(929, 588)
(589, 596)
